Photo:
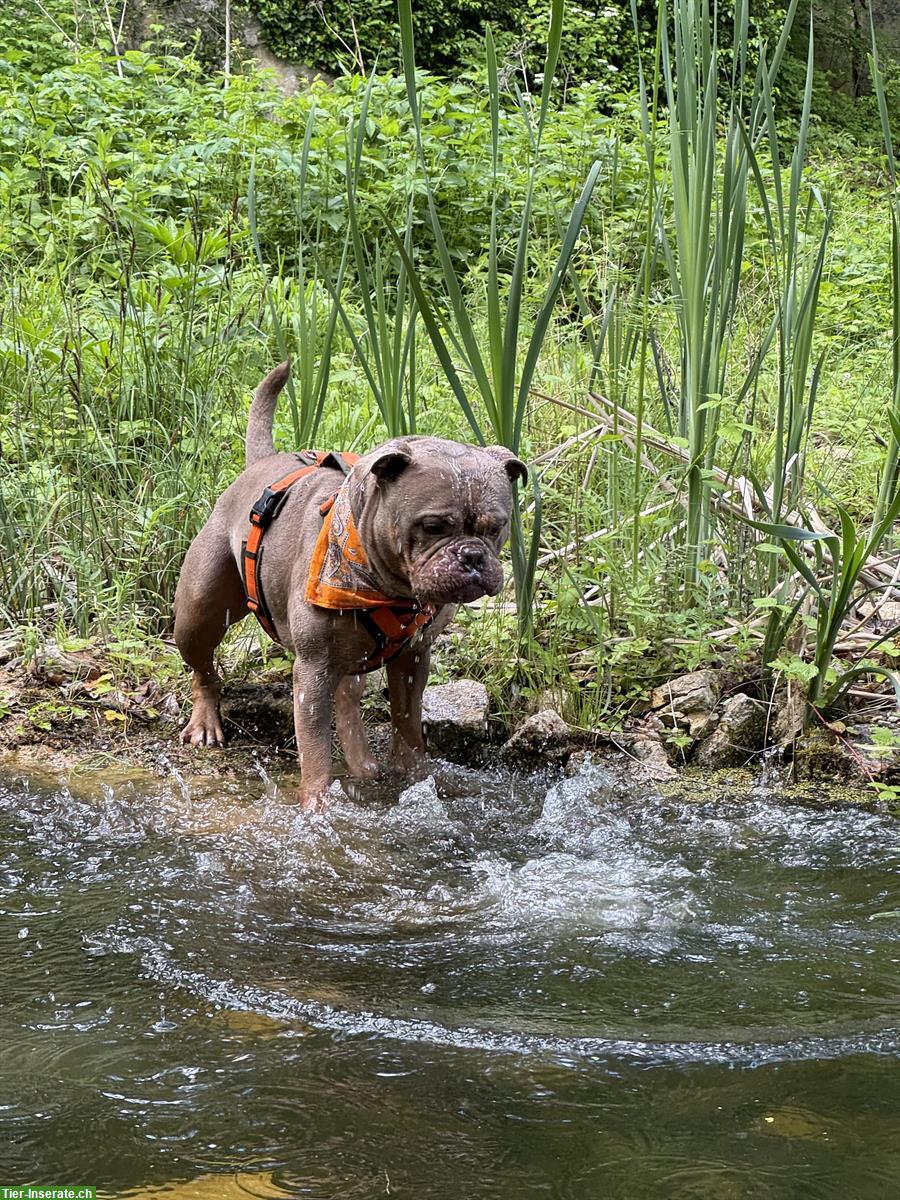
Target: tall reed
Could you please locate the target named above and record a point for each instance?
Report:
(297, 320)
(795, 218)
(889, 478)
(705, 247)
(386, 347)
(702, 231)
(502, 370)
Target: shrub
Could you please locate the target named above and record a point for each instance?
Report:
(598, 41)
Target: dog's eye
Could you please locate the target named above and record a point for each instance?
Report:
(434, 527)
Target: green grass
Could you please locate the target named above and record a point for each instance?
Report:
(726, 288)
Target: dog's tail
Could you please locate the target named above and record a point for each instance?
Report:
(262, 411)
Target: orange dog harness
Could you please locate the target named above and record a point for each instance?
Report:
(339, 575)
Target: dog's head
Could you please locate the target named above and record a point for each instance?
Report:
(439, 514)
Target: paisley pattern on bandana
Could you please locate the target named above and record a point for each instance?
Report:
(339, 574)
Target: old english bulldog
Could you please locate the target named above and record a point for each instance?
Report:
(350, 562)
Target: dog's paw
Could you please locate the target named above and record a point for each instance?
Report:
(408, 761)
(203, 729)
(365, 768)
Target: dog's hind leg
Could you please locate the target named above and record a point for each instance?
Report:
(209, 598)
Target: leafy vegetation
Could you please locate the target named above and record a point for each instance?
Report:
(597, 42)
(680, 315)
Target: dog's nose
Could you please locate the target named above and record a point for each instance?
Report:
(471, 556)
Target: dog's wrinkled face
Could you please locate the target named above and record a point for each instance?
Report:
(444, 515)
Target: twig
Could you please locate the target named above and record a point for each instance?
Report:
(226, 70)
(592, 537)
(875, 571)
(114, 36)
(854, 753)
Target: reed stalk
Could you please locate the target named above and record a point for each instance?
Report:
(504, 368)
(889, 477)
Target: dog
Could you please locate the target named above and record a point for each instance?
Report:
(363, 564)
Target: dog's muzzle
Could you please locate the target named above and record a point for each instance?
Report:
(458, 573)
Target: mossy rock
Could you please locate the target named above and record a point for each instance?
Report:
(819, 754)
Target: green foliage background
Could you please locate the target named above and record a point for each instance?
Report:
(134, 321)
(598, 41)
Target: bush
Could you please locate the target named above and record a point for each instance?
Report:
(165, 141)
(598, 41)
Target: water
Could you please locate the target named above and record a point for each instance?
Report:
(493, 987)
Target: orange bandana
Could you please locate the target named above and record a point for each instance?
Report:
(339, 574)
(340, 578)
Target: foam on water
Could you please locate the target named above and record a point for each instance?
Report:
(557, 917)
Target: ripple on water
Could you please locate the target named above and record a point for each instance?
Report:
(542, 918)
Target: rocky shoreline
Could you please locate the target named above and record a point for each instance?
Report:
(64, 712)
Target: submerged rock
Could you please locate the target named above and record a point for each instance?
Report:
(542, 738)
(740, 734)
(455, 718)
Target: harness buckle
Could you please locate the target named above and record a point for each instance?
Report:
(267, 507)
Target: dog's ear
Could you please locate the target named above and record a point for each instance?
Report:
(391, 463)
(514, 467)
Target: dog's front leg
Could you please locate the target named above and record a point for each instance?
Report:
(314, 685)
(350, 729)
(407, 675)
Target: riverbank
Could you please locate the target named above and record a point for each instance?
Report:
(85, 711)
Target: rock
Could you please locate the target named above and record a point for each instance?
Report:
(9, 647)
(883, 614)
(541, 738)
(455, 719)
(549, 698)
(651, 761)
(696, 691)
(54, 665)
(689, 702)
(289, 76)
(819, 754)
(856, 752)
(741, 733)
